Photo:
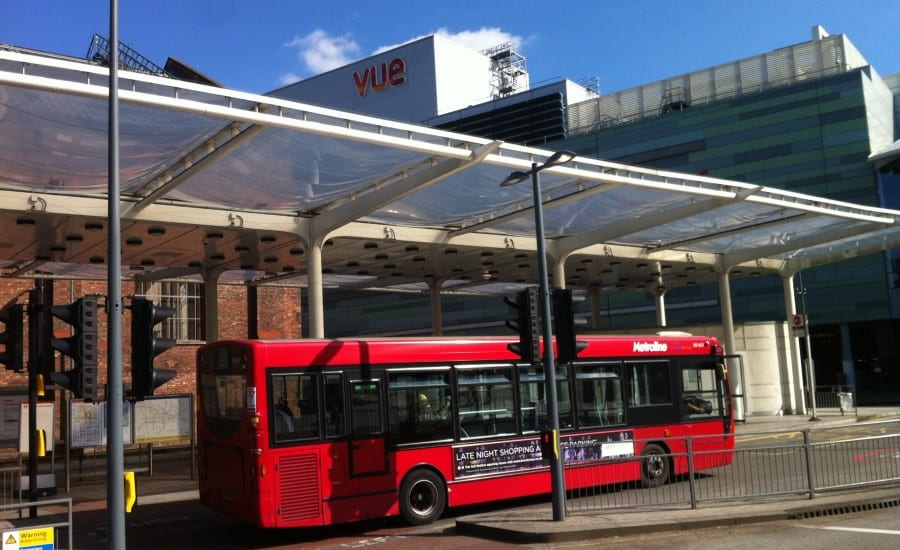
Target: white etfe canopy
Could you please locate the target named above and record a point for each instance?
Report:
(256, 188)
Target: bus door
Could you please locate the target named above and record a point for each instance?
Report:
(368, 451)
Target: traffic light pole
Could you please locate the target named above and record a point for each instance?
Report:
(557, 480)
(115, 450)
(39, 299)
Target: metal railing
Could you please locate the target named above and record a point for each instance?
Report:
(838, 397)
(764, 466)
(55, 514)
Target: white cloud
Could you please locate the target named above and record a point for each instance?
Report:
(288, 79)
(322, 52)
(481, 39)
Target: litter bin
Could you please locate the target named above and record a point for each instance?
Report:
(845, 401)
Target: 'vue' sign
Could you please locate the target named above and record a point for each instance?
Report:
(378, 78)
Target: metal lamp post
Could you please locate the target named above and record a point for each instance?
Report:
(557, 481)
(810, 365)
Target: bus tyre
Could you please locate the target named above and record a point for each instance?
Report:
(654, 466)
(422, 497)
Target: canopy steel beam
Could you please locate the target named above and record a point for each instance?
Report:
(734, 258)
(687, 243)
(192, 163)
(571, 244)
(373, 200)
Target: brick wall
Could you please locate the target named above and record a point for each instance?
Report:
(278, 311)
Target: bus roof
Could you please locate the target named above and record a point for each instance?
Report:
(448, 350)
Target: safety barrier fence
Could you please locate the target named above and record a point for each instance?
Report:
(766, 465)
(39, 524)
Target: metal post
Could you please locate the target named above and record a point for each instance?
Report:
(810, 366)
(115, 450)
(810, 473)
(557, 480)
(692, 483)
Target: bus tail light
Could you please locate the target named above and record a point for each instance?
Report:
(254, 435)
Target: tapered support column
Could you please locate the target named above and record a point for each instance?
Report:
(727, 314)
(795, 364)
(316, 302)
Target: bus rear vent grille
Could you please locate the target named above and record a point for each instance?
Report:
(299, 483)
(850, 508)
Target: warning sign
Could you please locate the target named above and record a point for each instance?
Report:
(40, 538)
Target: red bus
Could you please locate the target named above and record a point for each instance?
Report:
(320, 432)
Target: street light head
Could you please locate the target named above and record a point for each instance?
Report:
(514, 178)
(559, 157)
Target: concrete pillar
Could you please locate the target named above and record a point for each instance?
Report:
(211, 305)
(660, 296)
(252, 311)
(437, 311)
(847, 357)
(559, 274)
(596, 305)
(727, 315)
(316, 302)
(794, 380)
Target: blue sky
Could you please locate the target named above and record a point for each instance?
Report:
(260, 45)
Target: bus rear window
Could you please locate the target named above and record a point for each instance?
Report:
(223, 388)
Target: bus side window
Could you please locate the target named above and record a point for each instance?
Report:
(649, 383)
(294, 402)
(598, 391)
(486, 405)
(334, 405)
(365, 408)
(419, 406)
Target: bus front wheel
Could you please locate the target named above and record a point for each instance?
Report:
(422, 497)
(654, 466)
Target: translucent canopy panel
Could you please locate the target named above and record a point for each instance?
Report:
(219, 180)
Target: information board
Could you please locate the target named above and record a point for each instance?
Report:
(44, 422)
(9, 416)
(88, 422)
(163, 418)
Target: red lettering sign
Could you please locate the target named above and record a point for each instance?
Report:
(379, 78)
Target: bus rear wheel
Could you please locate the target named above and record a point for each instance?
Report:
(654, 466)
(422, 497)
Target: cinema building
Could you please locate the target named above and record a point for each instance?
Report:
(813, 117)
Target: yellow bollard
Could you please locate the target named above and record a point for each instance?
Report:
(40, 388)
(41, 443)
(130, 492)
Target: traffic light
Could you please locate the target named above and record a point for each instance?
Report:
(548, 445)
(12, 316)
(527, 324)
(81, 346)
(146, 345)
(567, 347)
